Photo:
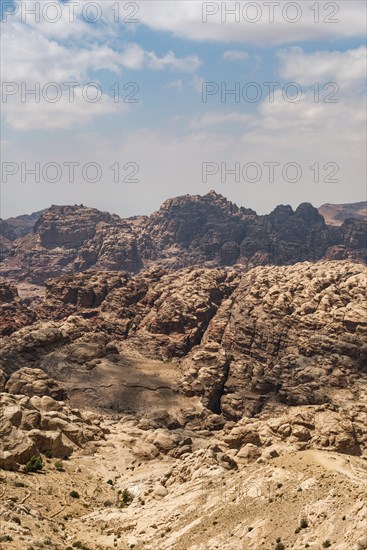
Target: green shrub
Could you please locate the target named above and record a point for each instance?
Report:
(279, 546)
(74, 494)
(80, 545)
(16, 520)
(34, 464)
(59, 466)
(48, 454)
(304, 523)
(326, 544)
(126, 498)
(5, 538)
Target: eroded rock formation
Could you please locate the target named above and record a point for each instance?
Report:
(191, 230)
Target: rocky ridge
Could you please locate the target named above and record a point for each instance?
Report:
(187, 231)
(336, 214)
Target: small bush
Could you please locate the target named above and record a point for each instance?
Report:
(19, 484)
(59, 466)
(48, 454)
(304, 523)
(16, 520)
(34, 464)
(326, 544)
(6, 538)
(74, 494)
(280, 546)
(80, 545)
(126, 498)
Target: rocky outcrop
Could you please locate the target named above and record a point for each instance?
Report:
(71, 239)
(28, 381)
(294, 335)
(210, 230)
(13, 314)
(83, 292)
(30, 426)
(352, 242)
(13, 228)
(247, 344)
(299, 428)
(187, 231)
(164, 313)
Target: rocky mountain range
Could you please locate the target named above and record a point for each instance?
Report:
(336, 214)
(187, 231)
(191, 380)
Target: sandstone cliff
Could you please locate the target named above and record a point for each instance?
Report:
(187, 231)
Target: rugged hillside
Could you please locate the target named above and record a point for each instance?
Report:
(187, 231)
(69, 239)
(226, 409)
(13, 228)
(246, 344)
(14, 314)
(336, 214)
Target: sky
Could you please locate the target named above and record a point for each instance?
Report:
(121, 105)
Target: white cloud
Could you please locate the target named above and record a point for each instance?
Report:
(321, 66)
(185, 19)
(171, 162)
(189, 64)
(235, 55)
(33, 57)
(217, 118)
(197, 83)
(135, 57)
(60, 115)
(174, 85)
